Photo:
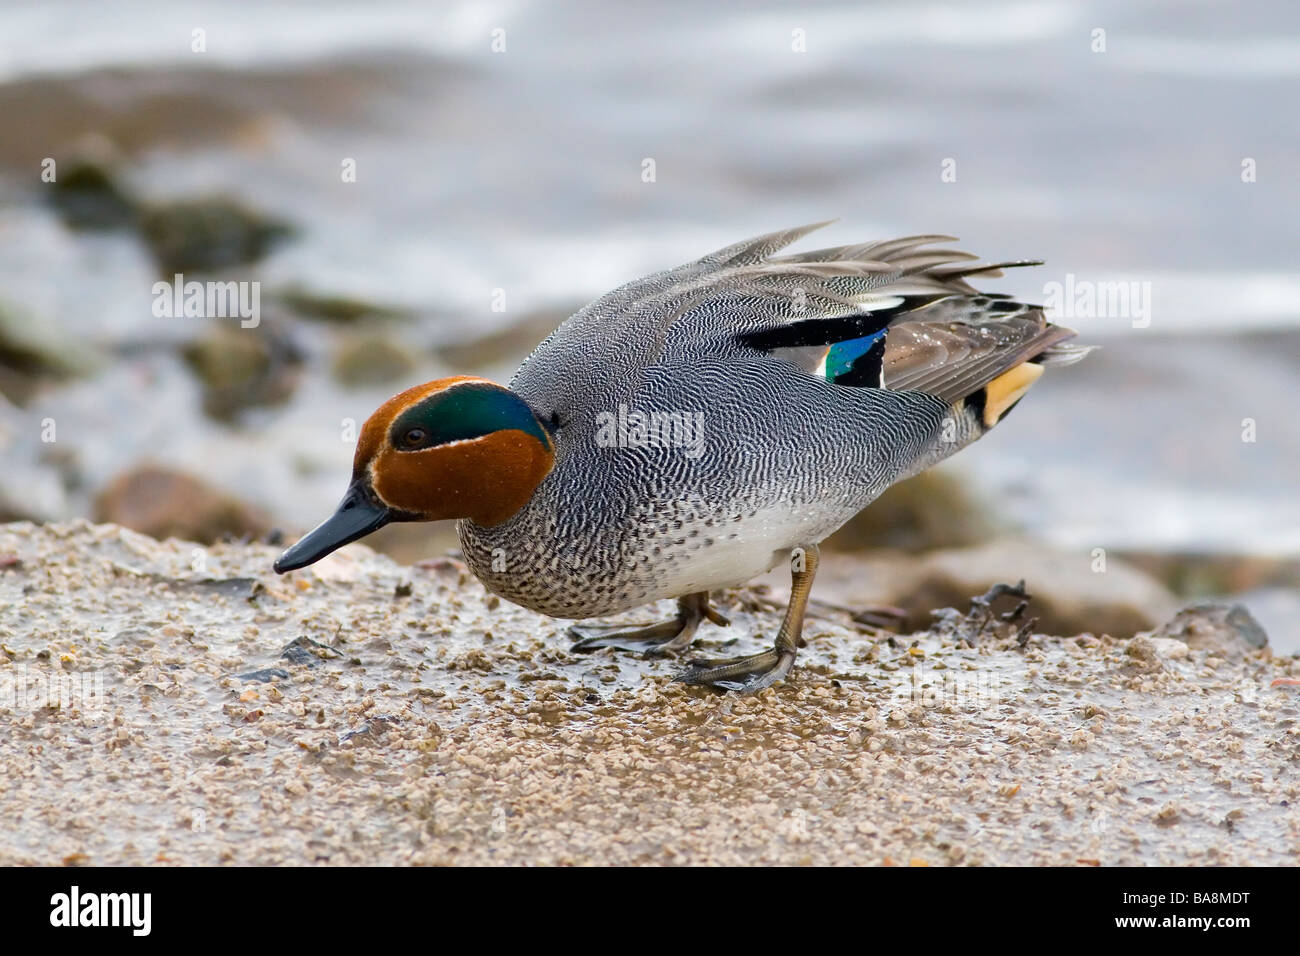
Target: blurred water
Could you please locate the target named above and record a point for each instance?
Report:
(522, 171)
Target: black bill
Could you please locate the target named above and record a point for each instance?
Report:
(356, 517)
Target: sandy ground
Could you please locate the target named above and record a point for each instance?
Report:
(431, 723)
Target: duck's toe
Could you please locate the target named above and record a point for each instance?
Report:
(746, 675)
(652, 640)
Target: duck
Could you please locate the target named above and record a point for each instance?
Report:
(695, 428)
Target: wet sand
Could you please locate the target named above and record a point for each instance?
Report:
(395, 715)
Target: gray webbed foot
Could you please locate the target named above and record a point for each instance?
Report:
(652, 640)
(746, 675)
(750, 674)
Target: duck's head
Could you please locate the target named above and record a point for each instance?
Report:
(453, 448)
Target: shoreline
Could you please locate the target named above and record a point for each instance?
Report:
(363, 712)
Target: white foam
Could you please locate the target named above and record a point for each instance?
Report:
(41, 37)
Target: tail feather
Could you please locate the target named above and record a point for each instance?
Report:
(1001, 394)
(1059, 356)
(897, 314)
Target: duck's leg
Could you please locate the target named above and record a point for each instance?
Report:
(753, 673)
(653, 640)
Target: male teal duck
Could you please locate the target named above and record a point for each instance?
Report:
(692, 429)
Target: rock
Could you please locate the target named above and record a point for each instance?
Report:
(11, 511)
(1278, 612)
(1143, 650)
(372, 360)
(243, 368)
(338, 309)
(33, 351)
(932, 510)
(1068, 597)
(409, 542)
(511, 344)
(162, 503)
(1225, 630)
(1169, 647)
(244, 589)
(303, 650)
(86, 195)
(203, 235)
(265, 675)
(1149, 652)
(1203, 575)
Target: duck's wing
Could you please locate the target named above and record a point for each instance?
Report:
(897, 315)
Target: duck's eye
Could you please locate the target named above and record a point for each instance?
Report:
(413, 437)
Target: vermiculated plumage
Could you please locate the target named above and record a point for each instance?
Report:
(755, 345)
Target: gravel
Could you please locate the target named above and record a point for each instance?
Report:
(207, 711)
